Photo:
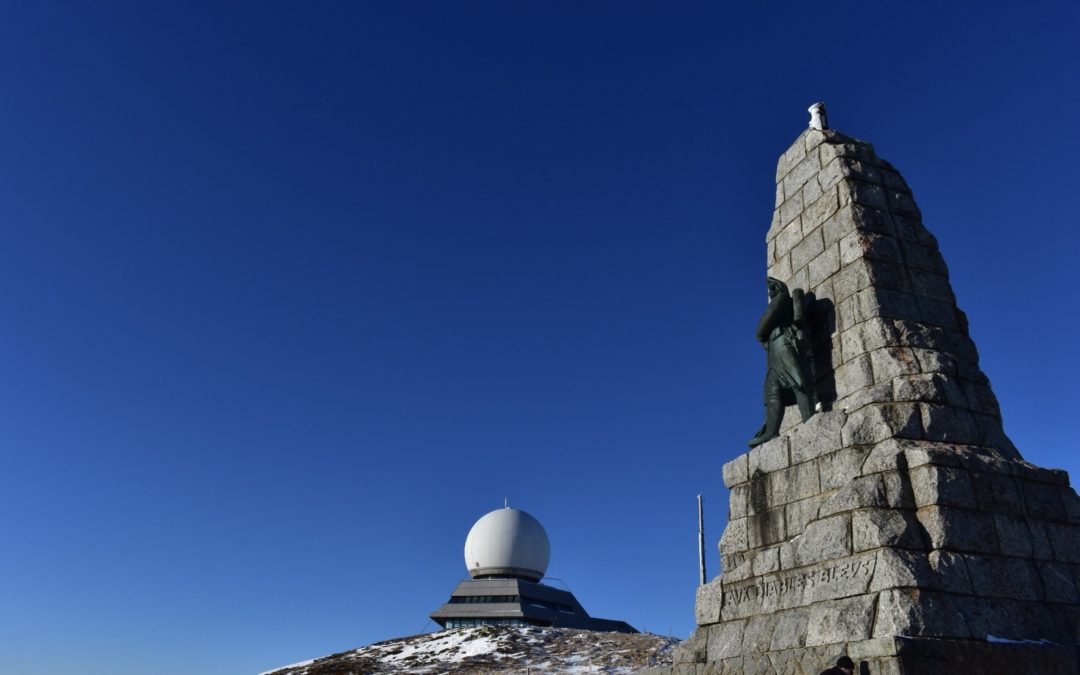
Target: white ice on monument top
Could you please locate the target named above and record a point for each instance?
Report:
(818, 118)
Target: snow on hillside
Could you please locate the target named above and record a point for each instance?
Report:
(492, 650)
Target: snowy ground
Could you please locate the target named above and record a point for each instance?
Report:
(496, 650)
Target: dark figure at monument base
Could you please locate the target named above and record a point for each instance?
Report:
(844, 666)
(782, 331)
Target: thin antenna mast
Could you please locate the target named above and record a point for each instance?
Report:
(701, 540)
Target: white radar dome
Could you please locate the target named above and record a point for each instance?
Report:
(507, 542)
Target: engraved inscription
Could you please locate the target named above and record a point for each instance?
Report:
(784, 584)
(730, 562)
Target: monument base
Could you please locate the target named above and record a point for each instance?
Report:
(910, 556)
(898, 656)
(901, 527)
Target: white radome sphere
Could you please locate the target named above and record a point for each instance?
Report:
(507, 542)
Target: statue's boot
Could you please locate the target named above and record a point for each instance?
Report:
(806, 404)
(774, 415)
(758, 438)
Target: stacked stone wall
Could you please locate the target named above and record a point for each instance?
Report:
(886, 328)
(899, 526)
(899, 538)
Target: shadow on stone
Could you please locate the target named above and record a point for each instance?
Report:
(822, 326)
(907, 496)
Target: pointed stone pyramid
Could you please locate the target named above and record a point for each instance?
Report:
(899, 527)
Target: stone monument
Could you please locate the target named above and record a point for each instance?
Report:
(899, 526)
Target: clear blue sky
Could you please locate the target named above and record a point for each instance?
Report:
(293, 293)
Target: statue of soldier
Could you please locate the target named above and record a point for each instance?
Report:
(783, 332)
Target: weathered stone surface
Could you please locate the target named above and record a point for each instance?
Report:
(860, 244)
(737, 567)
(950, 573)
(1041, 499)
(725, 640)
(900, 569)
(1064, 540)
(823, 266)
(795, 154)
(840, 621)
(770, 456)
(948, 423)
(802, 172)
(1013, 535)
(901, 526)
(928, 387)
(866, 194)
(794, 483)
(786, 239)
(934, 361)
(887, 455)
(889, 363)
(1071, 501)
(790, 211)
(819, 435)
(1015, 620)
(790, 630)
(765, 561)
(807, 249)
(1040, 542)
(798, 514)
(693, 649)
(707, 604)
(1059, 585)
(734, 538)
(757, 636)
(1028, 471)
(875, 423)
(824, 539)
(1001, 576)
(878, 393)
(921, 257)
(898, 489)
(919, 612)
(855, 374)
(738, 501)
(862, 492)
(942, 485)
(736, 471)
(958, 529)
(941, 454)
(933, 656)
(874, 528)
(818, 211)
(837, 469)
(980, 398)
(765, 528)
(788, 589)
(872, 303)
(997, 493)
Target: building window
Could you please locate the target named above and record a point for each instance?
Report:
(468, 599)
(469, 623)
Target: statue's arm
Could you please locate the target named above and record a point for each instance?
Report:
(798, 305)
(770, 318)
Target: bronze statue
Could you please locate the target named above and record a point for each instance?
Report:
(783, 332)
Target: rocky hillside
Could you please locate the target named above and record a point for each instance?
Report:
(491, 650)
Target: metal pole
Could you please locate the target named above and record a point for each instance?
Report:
(701, 539)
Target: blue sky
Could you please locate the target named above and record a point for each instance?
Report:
(293, 293)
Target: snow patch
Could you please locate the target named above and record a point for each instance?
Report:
(463, 651)
(293, 665)
(1007, 641)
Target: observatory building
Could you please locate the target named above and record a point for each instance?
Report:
(507, 553)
